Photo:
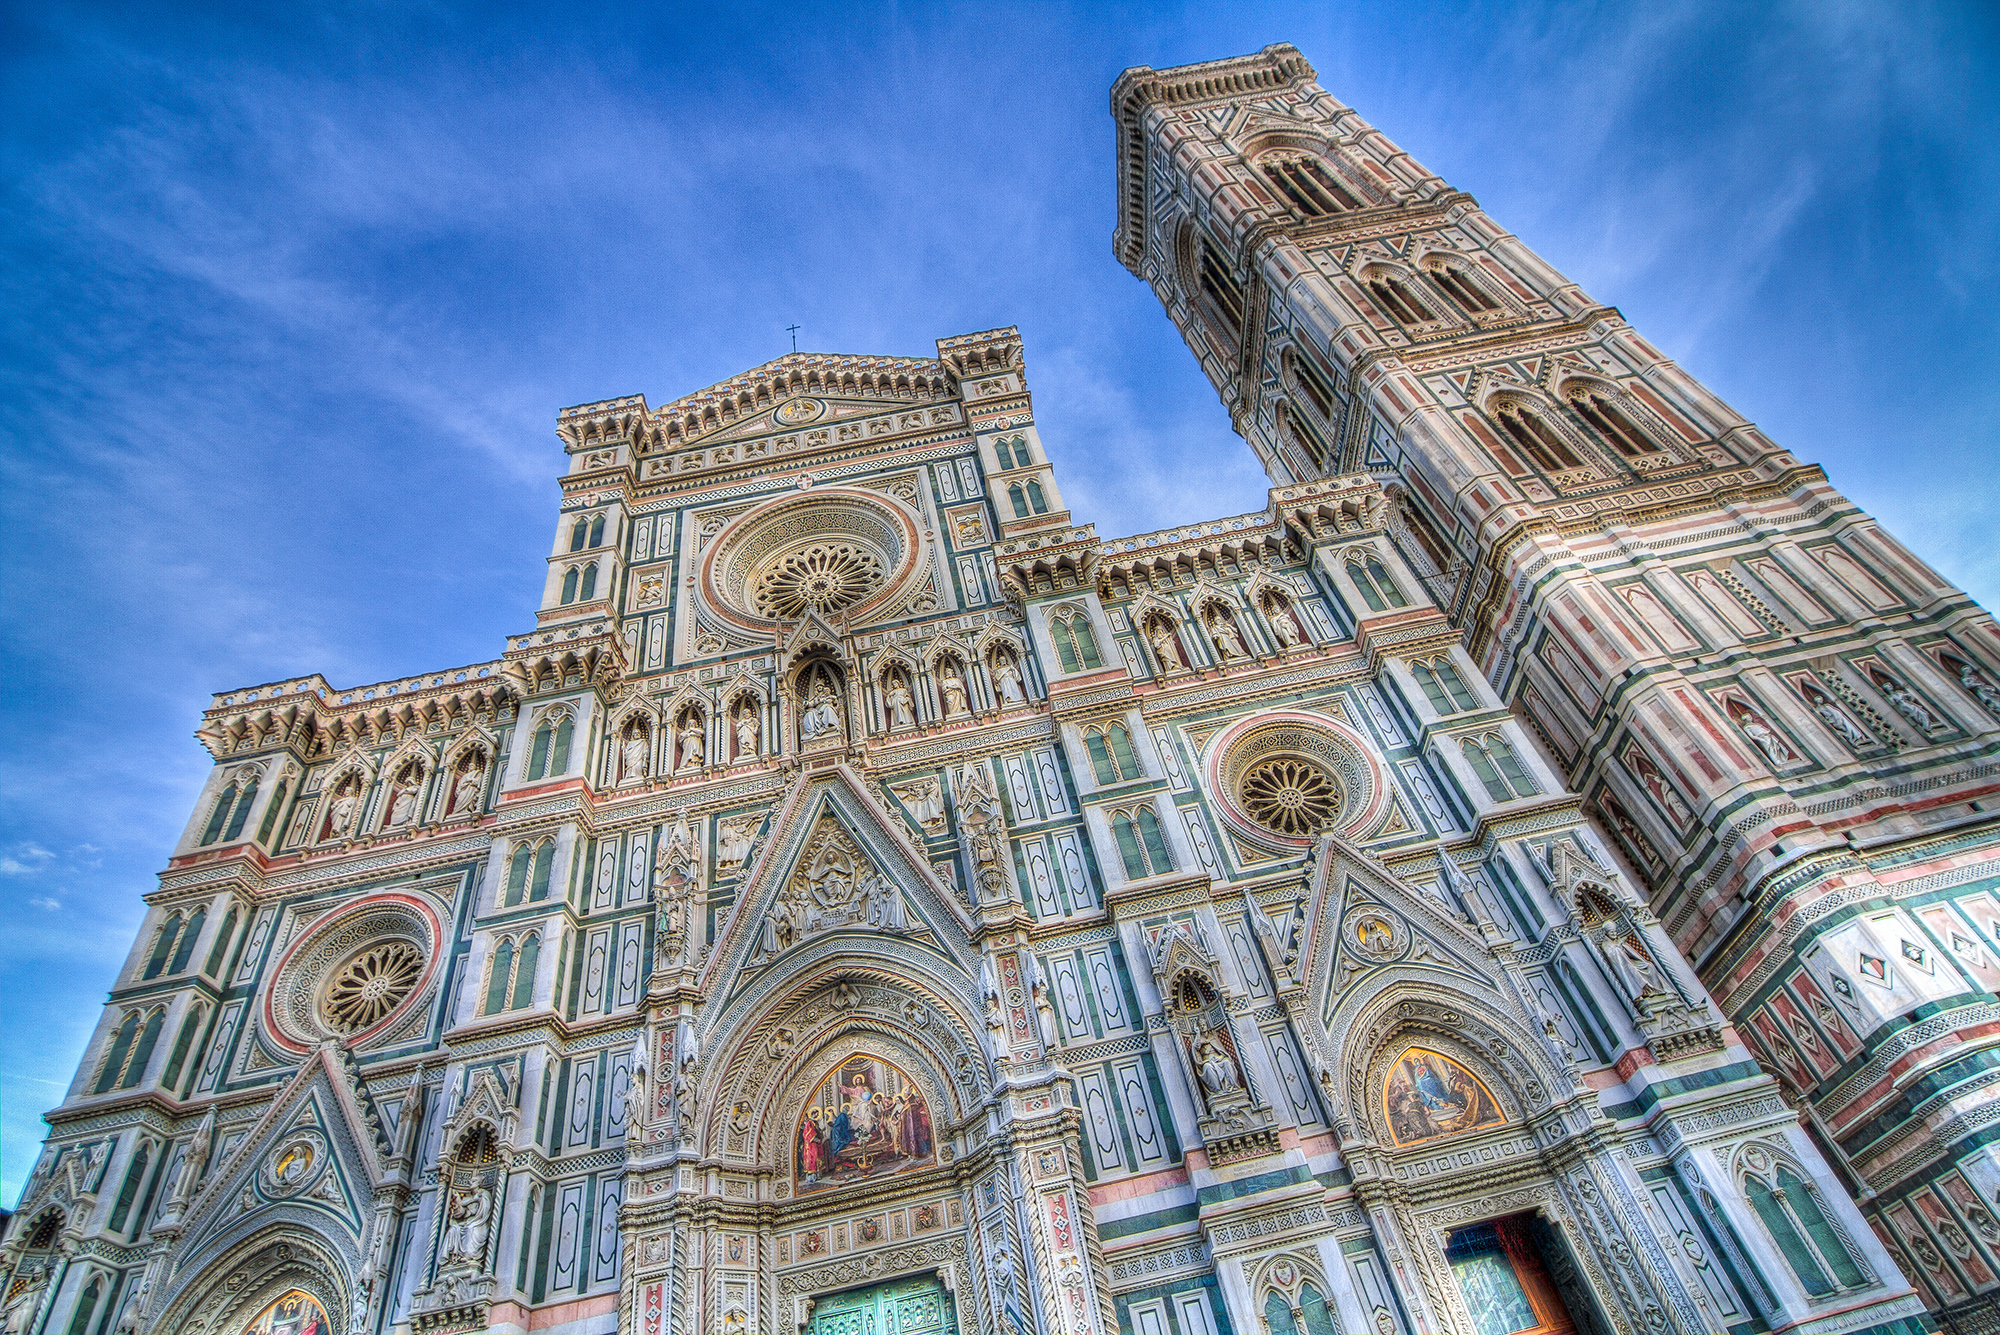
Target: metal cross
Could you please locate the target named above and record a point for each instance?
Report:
(793, 330)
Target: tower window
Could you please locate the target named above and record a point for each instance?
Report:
(1464, 293)
(578, 535)
(511, 985)
(271, 812)
(1140, 843)
(1443, 687)
(1076, 646)
(1791, 1212)
(1314, 386)
(548, 753)
(1537, 437)
(1222, 290)
(1019, 500)
(86, 1306)
(597, 532)
(1311, 190)
(589, 589)
(189, 935)
(1036, 500)
(1610, 421)
(217, 952)
(178, 1059)
(1497, 767)
(131, 1049)
(569, 586)
(1013, 452)
(1396, 298)
(163, 946)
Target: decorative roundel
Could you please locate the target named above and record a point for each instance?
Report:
(798, 412)
(826, 577)
(1291, 795)
(351, 976)
(1284, 777)
(370, 985)
(835, 551)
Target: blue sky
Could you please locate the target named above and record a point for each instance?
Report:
(290, 295)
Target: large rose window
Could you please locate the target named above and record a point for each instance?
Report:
(826, 577)
(352, 976)
(1291, 795)
(372, 984)
(842, 553)
(1283, 778)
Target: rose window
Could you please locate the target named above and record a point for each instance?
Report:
(1291, 796)
(822, 578)
(372, 984)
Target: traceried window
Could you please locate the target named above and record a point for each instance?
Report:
(528, 872)
(597, 531)
(1076, 646)
(511, 983)
(1371, 579)
(1313, 384)
(190, 936)
(1443, 687)
(1305, 430)
(219, 951)
(578, 535)
(1012, 452)
(232, 809)
(1281, 1317)
(1037, 502)
(1308, 187)
(1536, 437)
(548, 750)
(272, 812)
(569, 586)
(132, 1045)
(589, 589)
(1218, 284)
(1498, 768)
(1290, 795)
(1463, 290)
(1794, 1214)
(826, 577)
(177, 1059)
(372, 984)
(128, 1191)
(1611, 422)
(1140, 843)
(1111, 757)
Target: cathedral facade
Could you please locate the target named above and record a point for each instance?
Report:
(1533, 876)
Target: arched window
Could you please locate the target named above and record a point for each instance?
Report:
(559, 750)
(518, 868)
(569, 586)
(190, 1026)
(1466, 294)
(1443, 687)
(1076, 647)
(538, 749)
(1310, 189)
(1396, 297)
(1536, 437)
(1306, 431)
(545, 859)
(86, 1306)
(524, 970)
(578, 535)
(1497, 767)
(224, 802)
(1111, 755)
(1611, 422)
(142, 1051)
(589, 589)
(114, 1060)
(1019, 499)
(1319, 1317)
(1371, 579)
(1218, 283)
(1036, 500)
(1013, 452)
(1278, 1314)
(1314, 386)
(270, 821)
(597, 531)
(1793, 1214)
(500, 978)
(128, 1191)
(1140, 843)
(216, 953)
(163, 946)
(189, 936)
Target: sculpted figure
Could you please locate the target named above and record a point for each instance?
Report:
(1834, 717)
(21, 1306)
(1759, 730)
(733, 846)
(342, 818)
(897, 700)
(1227, 642)
(465, 797)
(693, 749)
(746, 734)
(1979, 689)
(954, 693)
(1007, 677)
(468, 1220)
(1282, 625)
(1906, 703)
(1165, 647)
(1217, 1071)
(635, 755)
(821, 717)
(403, 804)
(1630, 965)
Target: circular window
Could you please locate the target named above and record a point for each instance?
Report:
(824, 578)
(1291, 796)
(372, 984)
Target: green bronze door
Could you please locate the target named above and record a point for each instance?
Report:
(906, 1307)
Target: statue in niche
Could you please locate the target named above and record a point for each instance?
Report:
(1222, 630)
(465, 795)
(1759, 730)
(1978, 688)
(1631, 966)
(1217, 1071)
(1283, 625)
(897, 700)
(23, 1302)
(734, 839)
(819, 710)
(1007, 679)
(1907, 704)
(925, 800)
(1166, 646)
(1663, 792)
(953, 687)
(340, 818)
(694, 746)
(635, 749)
(1835, 718)
(746, 731)
(403, 799)
(468, 1221)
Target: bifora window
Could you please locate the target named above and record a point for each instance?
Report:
(822, 578)
(372, 984)
(1290, 795)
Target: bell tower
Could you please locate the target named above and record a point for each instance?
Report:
(1782, 718)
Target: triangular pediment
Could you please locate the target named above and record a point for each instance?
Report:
(315, 1151)
(838, 870)
(1370, 919)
